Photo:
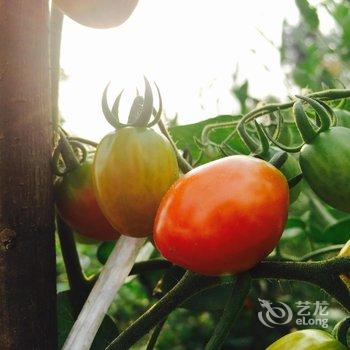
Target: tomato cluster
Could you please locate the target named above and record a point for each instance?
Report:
(220, 218)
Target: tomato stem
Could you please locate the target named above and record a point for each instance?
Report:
(189, 285)
(85, 141)
(324, 274)
(326, 95)
(78, 283)
(322, 251)
(183, 164)
(247, 139)
(211, 127)
(155, 334)
(341, 329)
(240, 290)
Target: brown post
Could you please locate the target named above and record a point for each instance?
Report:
(27, 254)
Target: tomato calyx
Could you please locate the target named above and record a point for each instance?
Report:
(140, 113)
(68, 155)
(306, 128)
(262, 151)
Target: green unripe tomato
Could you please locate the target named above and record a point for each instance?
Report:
(343, 117)
(325, 163)
(308, 339)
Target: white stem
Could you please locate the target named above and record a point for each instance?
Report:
(112, 277)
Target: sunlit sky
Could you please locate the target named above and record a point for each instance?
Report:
(189, 47)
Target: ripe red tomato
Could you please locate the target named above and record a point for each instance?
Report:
(76, 203)
(223, 217)
(98, 13)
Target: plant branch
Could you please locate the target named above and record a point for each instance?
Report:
(326, 95)
(189, 285)
(85, 141)
(324, 274)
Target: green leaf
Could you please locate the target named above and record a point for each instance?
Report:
(104, 250)
(212, 299)
(308, 13)
(184, 136)
(66, 318)
(241, 93)
(337, 233)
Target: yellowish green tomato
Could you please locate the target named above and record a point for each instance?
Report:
(308, 339)
(133, 169)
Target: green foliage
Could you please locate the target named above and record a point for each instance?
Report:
(66, 317)
(338, 232)
(308, 13)
(184, 136)
(313, 59)
(103, 251)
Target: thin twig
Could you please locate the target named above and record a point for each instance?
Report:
(183, 164)
(155, 334)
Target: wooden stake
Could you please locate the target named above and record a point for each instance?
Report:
(96, 306)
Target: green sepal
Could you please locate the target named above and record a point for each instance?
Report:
(306, 130)
(145, 115)
(289, 149)
(295, 180)
(330, 112)
(135, 110)
(279, 159)
(157, 114)
(323, 113)
(264, 141)
(109, 115)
